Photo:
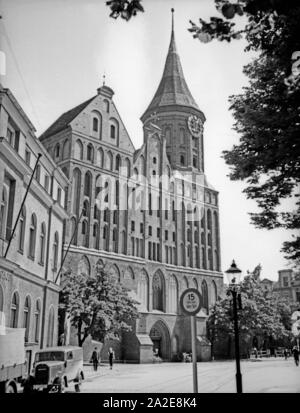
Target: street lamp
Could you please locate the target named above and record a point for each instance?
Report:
(234, 276)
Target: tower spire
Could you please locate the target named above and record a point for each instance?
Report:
(172, 89)
(172, 11)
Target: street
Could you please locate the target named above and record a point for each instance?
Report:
(262, 376)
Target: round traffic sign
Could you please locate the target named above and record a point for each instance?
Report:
(191, 301)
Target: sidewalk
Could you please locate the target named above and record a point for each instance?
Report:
(89, 373)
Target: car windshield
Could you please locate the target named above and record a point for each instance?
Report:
(50, 356)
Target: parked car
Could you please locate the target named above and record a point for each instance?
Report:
(56, 367)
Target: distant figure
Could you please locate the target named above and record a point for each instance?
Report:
(285, 353)
(95, 359)
(295, 352)
(111, 356)
(255, 352)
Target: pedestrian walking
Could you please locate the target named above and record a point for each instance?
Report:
(111, 357)
(285, 353)
(295, 352)
(95, 359)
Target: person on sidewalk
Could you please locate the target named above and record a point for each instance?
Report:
(295, 352)
(95, 359)
(285, 353)
(111, 357)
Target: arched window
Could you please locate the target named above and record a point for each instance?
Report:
(76, 190)
(90, 153)
(14, 310)
(22, 224)
(42, 243)
(158, 292)
(3, 213)
(182, 254)
(173, 294)
(143, 291)
(115, 240)
(197, 256)
(32, 236)
(109, 161)
(95, 124)
(38, 173)
(78, 150)
(86, 209)
(105, 238)
(66, 149)
(204, 291)
(210, 259)
(57, 151)
(37, 316)
(55, 251)
(209, 219)
(100, 157)
(50, 334)
(88, 184)
(114, 130)
(73, 233)
(182, 161)
(26, 318)
(96, 235)
(118, 162)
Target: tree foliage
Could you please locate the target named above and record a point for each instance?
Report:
(263, 314)
(98, 305)
(124, 8)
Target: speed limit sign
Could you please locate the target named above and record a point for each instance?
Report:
(191, 301)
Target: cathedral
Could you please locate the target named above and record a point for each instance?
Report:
(147, 215)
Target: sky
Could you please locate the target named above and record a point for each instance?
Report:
(57, 52)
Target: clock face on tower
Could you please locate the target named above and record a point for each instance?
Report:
(195, 125)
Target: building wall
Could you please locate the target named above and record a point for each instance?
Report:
(28, 268)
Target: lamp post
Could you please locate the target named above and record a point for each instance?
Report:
(234, 275)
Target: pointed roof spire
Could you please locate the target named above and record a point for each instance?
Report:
(172, 89)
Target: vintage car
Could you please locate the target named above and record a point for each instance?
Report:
(55, 368)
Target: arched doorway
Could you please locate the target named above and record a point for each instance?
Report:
(160, 336)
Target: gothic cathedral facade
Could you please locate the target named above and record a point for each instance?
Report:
(148, 215)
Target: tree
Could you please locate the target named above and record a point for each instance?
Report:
(97, 305)
(263, 315)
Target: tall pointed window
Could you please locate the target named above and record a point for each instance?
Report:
(37, 315)
(42, 243)
(55, 251)
(22, 223)
(14, 310)
(32, 237)
(26, 319)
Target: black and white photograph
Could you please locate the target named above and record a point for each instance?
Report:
(149, 199)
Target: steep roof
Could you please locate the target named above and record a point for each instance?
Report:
(173, 89)
(64, 120)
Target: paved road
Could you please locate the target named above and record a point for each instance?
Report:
(266, 376)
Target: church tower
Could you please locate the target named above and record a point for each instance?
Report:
(175, 111)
